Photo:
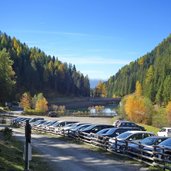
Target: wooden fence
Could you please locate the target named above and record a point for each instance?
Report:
(151, 155)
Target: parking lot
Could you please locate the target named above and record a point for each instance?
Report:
(62, 142)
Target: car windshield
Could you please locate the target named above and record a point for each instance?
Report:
(103, 131)
(124, 135)
(166, 143)
(39, 121)
(80, 127)
(55, 124)
(90, 127)
(111, 131)
(51, 123)
(149, 140)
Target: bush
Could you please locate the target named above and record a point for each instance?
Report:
(34, 112)
(7, 133)
(159, 118)
(3, 121)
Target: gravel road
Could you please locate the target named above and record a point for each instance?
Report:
(93, 120)
(67, 156)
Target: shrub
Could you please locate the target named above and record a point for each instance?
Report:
(7, 133)
(34, 112)
(159, 118)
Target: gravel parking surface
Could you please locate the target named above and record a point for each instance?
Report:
(94, 120)
(67, 156)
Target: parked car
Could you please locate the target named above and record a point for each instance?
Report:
(141, 146)
(74, 132)
(101, 139)
(43, 127)
(35, 119)
(160, 151)
(52, 114)
(22, 122)
(46, 127)
(40, 126)
(34, 124)
(15, 121)
(66, 128)
(123, 123)
(85, 134)
(32, 120)
(120, 143)
(165, 132)
(61, 124)
(163, 150)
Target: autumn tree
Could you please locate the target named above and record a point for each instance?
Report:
(168, 112)
(100, 90)
(41, 104)
(25, 101)
(137, 107)
(138, 90)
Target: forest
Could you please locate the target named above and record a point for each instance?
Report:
(152, 70)
(24, 69)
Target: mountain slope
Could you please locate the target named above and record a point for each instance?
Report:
(153, 70)
(37, 72)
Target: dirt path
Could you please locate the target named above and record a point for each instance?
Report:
(64, 156)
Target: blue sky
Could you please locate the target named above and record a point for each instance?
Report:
(98, 36)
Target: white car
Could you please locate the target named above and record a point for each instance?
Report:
(120, 142)
(165, 132)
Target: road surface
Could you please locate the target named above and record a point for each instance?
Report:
(66, 156)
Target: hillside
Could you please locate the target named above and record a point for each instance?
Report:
(34, 71)
(153, 70)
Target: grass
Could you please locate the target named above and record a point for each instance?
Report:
(150, 128)
(11, 157)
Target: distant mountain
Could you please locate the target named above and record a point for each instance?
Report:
(93, 83)
(37, 72)
(153, 70)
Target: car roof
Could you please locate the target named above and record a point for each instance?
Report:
(159, 137)
(139, 132)
(126, 121)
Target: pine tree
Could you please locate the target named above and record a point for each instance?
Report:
(6, 75)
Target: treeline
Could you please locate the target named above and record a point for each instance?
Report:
(34, 71)
(152, 70)
(140, 109)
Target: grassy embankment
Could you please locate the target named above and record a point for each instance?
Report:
(11, 157)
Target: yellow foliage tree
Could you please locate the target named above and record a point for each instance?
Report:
(141, 61)
(168, 112)
(138, 90)
(134, 108)
(25, 101)
(41, 105)
(137, 107)
(100, 90)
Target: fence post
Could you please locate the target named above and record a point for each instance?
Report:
(28, 141)
(116, 141)
(163, 154)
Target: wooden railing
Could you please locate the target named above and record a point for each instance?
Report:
(151, 155)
